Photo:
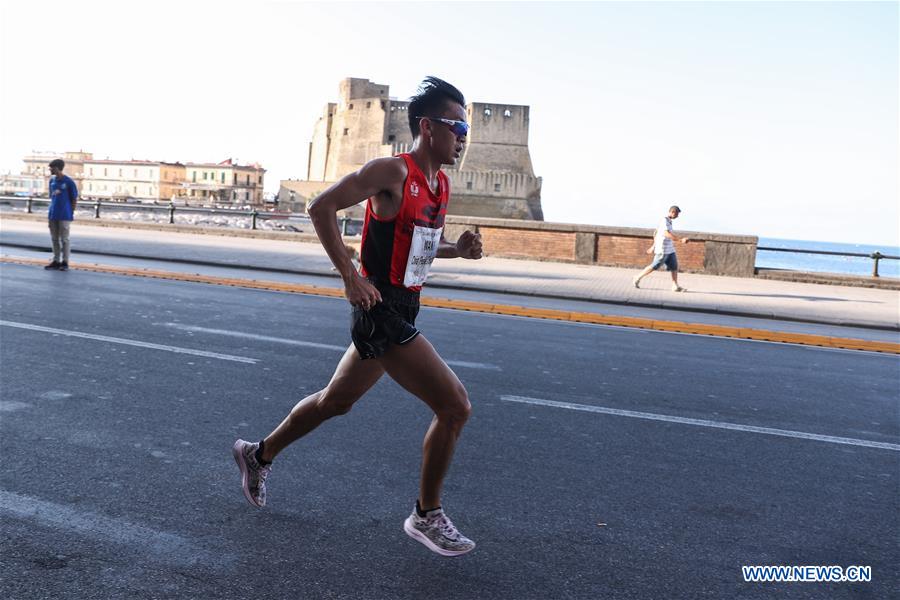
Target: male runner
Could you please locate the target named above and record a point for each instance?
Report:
(407, 201)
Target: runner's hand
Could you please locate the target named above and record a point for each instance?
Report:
(360, 292)
(685, 240)
(469, 245)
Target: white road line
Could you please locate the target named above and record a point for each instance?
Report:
(126, 342)
(704, 423)
(472, 365)
(290, 342)
(167, 547)
(254, 336)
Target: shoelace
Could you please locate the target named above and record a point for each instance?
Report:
(447, 528)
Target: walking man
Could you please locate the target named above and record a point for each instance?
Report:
(63, 198)
(402, 235)
(663, 250)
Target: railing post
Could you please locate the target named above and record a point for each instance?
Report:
(344, 221)
(96, 209)
(253, 219)
(877, 256)
(172, 213)
(28, 205)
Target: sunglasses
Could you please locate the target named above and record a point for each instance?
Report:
(459, 128)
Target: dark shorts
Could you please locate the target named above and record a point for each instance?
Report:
(665, 259)
(391, 321)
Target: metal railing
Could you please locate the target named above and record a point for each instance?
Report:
(171, 208)
(876, 256)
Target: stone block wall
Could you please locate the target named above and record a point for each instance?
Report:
(709, 253)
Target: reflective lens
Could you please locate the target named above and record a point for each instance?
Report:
(459, 128)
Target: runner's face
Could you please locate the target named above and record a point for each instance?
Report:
(445, 144)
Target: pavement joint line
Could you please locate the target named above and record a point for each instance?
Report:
(502, 309)
(705, 423)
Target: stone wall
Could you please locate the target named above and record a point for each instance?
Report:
(710, 253)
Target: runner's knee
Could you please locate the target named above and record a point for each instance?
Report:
(457, 408)
(335, 401)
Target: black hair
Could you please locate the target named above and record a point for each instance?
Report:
(57, 163)
(431, 98)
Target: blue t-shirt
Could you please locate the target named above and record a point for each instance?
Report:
(62, 193)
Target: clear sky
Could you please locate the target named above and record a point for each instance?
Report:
(777, 119)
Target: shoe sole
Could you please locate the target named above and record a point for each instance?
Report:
(242, 465)
(419, 537)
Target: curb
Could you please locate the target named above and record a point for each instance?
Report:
(490, 290)
(505, 309)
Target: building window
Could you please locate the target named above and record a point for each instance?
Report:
(135, 190)
(89, 186)
(248, 179)
(194, 177)
(391, 138)
(104, 171)
(223, 176)
(346, 131)
(506, 113)
(91, 170)
(496, 187)
(234, 194)
(487, 112)
(351, 107)
(382, 105)
(135, 173)
(234, 179)
(260, 180)
(120, 172)
(368, 105)
(468, 185)
(204, 175)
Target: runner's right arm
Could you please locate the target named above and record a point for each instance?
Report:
(381, 179)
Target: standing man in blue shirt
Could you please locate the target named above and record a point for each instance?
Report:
(63, 198)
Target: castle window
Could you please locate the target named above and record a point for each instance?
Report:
(346, 131)
(368, 105)
(506, 113)
(468, 185)
(351, 107)
(496, 187)
(382, 105)
(391, 138)
(487, 112)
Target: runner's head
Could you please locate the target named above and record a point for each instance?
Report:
(437, 119)
(674, 211)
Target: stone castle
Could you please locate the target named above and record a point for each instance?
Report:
(494, 177)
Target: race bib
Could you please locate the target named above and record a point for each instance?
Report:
(422, 251)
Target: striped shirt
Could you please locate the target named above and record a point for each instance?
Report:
(662, 244)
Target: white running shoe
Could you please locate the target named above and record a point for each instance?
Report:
(437, 533)
(678, 288)
(253, 474)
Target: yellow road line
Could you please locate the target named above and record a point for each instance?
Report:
(504, 309)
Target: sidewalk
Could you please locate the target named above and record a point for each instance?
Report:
(813, 303)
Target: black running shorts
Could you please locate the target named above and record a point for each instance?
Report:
(391, 321)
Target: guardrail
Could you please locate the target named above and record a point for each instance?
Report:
(171, 208)
(876, 256)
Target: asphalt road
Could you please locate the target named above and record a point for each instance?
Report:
(599, 462)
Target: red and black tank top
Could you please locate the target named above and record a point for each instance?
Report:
(400, 251)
